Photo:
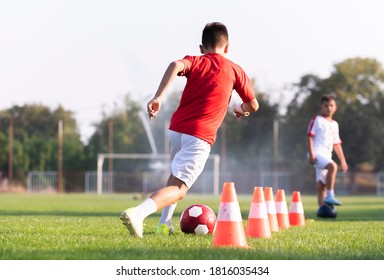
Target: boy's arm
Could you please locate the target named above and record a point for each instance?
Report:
(244, 109)
(154, 104)
(251, 106)
(311, 151)
(340, 154)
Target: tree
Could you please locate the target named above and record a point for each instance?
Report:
(128, 133)
(35, 139)
(248, 142)
(359, 85)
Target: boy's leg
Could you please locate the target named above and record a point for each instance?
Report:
(321, 188)
(326, 170)
(330, 184)
(133, 217)
(165, 224)
(170, 194)
(188, 157)
(331, 176)
(321, 191)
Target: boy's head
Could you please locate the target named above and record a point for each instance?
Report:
(328, 105)
(215, 35)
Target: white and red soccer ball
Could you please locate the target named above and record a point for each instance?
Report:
(198, 219)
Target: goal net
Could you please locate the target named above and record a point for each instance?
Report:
(146, 173)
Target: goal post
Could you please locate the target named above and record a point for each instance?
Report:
(102, 156)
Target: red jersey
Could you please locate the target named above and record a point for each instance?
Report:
(211, 78)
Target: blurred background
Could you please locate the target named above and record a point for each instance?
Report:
(75, 77)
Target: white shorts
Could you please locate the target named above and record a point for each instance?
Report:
(320, 167)
(188, 156)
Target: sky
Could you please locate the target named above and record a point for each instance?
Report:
(87, 55)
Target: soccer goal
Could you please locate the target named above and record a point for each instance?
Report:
(153, 171)
(380, 184)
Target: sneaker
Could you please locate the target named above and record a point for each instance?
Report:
(164, 229)
(332, 200)
(132, 222)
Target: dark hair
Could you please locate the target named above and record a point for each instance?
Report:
(327, 98)
(215, 34)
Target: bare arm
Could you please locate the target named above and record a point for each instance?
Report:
(153, 106)
(340, 154)
(251, 106)
(244, 109)
(311, 151)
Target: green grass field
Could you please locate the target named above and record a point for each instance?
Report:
(87, 227)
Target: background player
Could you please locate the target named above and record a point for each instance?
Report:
(323, 138)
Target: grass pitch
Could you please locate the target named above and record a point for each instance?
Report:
(87, 227)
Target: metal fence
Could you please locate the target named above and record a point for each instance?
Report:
(108, 179)
(380, 184)
(342, 183)
(42, 181)
(276, 180)
(346, 184)
(153, 181)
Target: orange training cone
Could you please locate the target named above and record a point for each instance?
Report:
(229, 225)
(281, 209)
(296, 211)
(271, 209)
(258, 223)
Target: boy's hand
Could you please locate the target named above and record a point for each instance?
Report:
(344, 166)
(238, 111)
(311, 159)
(153, 107)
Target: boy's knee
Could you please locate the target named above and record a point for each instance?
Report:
(183, 189)
(182, 194)
(332, 167)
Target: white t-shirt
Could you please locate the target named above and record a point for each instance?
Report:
(325, 134)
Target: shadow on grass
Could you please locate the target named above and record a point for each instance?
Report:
(351, 215)
(342, 215)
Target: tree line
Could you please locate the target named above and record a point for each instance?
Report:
(266, 139)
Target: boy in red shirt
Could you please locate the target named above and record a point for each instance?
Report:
(211, 78)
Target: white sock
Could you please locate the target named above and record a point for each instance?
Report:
(167, 213)
(330, 193)
(146, 208)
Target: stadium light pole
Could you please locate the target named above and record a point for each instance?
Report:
(60, 158)
(10, 158)
(100, 160)
(275, 140)
(110, 151)
(275, 149)
(224, 147)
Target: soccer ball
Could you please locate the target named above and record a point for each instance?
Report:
(198, 219)
(326, 211)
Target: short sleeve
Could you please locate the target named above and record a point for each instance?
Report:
(311, 131)
(188, 61)
(243, 85)
(336, 136)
